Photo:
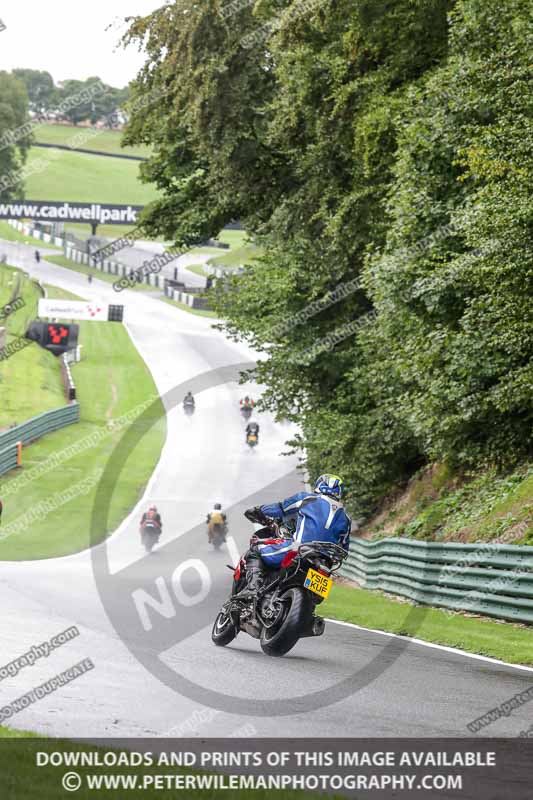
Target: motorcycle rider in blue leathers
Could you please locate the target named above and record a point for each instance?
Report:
(320, 516)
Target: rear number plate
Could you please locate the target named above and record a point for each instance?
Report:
(318, 583)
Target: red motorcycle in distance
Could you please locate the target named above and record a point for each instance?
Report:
(247, 406)
(150, 528)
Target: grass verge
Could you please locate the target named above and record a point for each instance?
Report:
(24, 780)
(198, 269)
(111, 380)
(87, 138)
(85, 178)
(55, 293)
(235, 238)
(12, 235)
(30, 381)
(67, 263)
(502, 640)
(237, 258)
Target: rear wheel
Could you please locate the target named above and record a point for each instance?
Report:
(224, 631)
(148, 542)
(217, 537)
(278, 640)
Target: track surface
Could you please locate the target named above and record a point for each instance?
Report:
(401, 689)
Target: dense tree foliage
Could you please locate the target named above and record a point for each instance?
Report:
(47, 99)
(14, 148)
(97, 106)
(380, 146)
(40, 87)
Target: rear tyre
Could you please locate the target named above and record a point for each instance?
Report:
(279, 640)
(224, 631)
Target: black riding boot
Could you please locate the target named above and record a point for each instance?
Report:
(255, 577)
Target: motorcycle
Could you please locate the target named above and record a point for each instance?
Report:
(252, 439)
(150, 534)
(283, 610)
(218, 535)
(246, 411)
(189, 407)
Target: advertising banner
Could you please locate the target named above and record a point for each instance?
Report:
(73, 309)
(64, 211)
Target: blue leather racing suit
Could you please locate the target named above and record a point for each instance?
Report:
(319, 518)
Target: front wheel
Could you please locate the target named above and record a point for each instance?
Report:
(278, 640)
(224, 631)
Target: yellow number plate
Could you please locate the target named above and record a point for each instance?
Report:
(318, 583)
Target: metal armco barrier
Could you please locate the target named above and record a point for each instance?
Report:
(8, 458)
(188, 298)
(495, 580)
(33, 429)
(112, 267)
(68, 381)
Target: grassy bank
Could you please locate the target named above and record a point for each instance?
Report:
(505, 641)
(482, 506)
(236, 258)
(11, 235)
(84, 177)
(56, 293)
(234, 238)
(199, 269)
(30, 381)
(67, 263)
(111, 380)
(24, 780)
(88, 139)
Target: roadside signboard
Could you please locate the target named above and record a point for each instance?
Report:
(66, 211)
(73, 309)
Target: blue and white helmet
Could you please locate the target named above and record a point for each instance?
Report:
(331, 485)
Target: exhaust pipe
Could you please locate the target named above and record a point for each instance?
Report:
(316, 627)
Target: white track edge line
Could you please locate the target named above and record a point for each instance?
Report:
(433, 645)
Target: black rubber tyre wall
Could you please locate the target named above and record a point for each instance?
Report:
(224, 636)
(289, 633)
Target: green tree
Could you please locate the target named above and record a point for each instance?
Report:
(387, 142)
(15, 138)
(40, 87)
(455, 280)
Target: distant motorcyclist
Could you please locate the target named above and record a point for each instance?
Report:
(320, 516)
(247, 406)
(214, 518)
(151, 518)
(189, 400)
(252, 429)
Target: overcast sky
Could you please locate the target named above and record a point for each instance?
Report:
(68, 38)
